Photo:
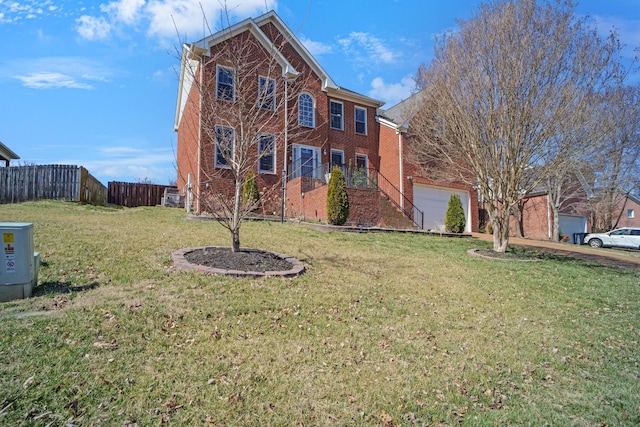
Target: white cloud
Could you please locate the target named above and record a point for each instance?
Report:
(124, 163)
(316, 48)
(165, 19)
(49, 80)
(14, 11)
(126, 11)
(391, 93)
(374, 49)
(55, 72)
(92, 28)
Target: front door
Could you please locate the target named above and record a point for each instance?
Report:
(306, 161)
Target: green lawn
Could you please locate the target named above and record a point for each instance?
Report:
(382, 329)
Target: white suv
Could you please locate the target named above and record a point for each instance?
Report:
(627, 237)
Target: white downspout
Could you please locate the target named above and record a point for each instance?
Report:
(198, 181)
(286, 148)
(401, 166)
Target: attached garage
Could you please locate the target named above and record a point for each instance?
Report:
(434, 201)
(570, 224)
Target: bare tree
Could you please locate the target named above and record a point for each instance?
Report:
(501, 90)
(614, 167)
(245, 95)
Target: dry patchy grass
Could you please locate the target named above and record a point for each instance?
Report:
(382, 329)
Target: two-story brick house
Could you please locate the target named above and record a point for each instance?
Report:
(319, 123)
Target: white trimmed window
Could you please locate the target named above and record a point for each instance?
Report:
(631, 214)
(336, 110)
(267, 153)
(360, 115)
(306, 111)
(362, 162)
(224, 146)
(225, 83)
(267, 93)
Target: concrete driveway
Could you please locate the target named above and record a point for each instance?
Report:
(627, 258)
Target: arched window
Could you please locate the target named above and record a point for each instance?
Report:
(306, 111)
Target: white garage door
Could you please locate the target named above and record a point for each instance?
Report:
(434, 201)
(570, 224)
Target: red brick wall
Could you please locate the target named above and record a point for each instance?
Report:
(313, 206)
(534, 219)
(625, 221)
(364, 205)
(390, 155)
(187, 145)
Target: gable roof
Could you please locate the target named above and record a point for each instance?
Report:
(6, 153)
(191, 55)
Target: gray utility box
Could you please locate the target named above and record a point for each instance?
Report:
(18, 262)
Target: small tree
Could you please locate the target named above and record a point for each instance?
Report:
(250, 193)
(337, 199)
(454, 220)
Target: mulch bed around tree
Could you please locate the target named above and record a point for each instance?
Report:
(226, 259)
(246, 262)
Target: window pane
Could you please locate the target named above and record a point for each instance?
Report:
(336, 115)
(337, 158)
(361, 120)
(224, 146)
(267, 156)
(305, 110)
(267, 89)
(361, 161)
(225, 84)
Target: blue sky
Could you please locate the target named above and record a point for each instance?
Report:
(94, 83)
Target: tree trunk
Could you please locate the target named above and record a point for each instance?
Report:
(235, 224)
(518, 214)
(500, 235)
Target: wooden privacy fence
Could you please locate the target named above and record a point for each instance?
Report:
(131, 194)
(59, 182)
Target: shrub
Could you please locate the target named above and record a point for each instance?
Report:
(337, 199)
(454, 220)
(250, 194)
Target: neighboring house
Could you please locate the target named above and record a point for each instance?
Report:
(340, 126)
(629, 212)
(536, 217)
(426, 197)
(7, 155)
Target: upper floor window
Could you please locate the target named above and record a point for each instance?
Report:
(267, 93)
(337, 116)
(630, 214)
(224, 146)
(266, 153)
(360, 115)
(306, 111)
(225, 83)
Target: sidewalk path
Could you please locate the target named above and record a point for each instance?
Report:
(616, 257)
